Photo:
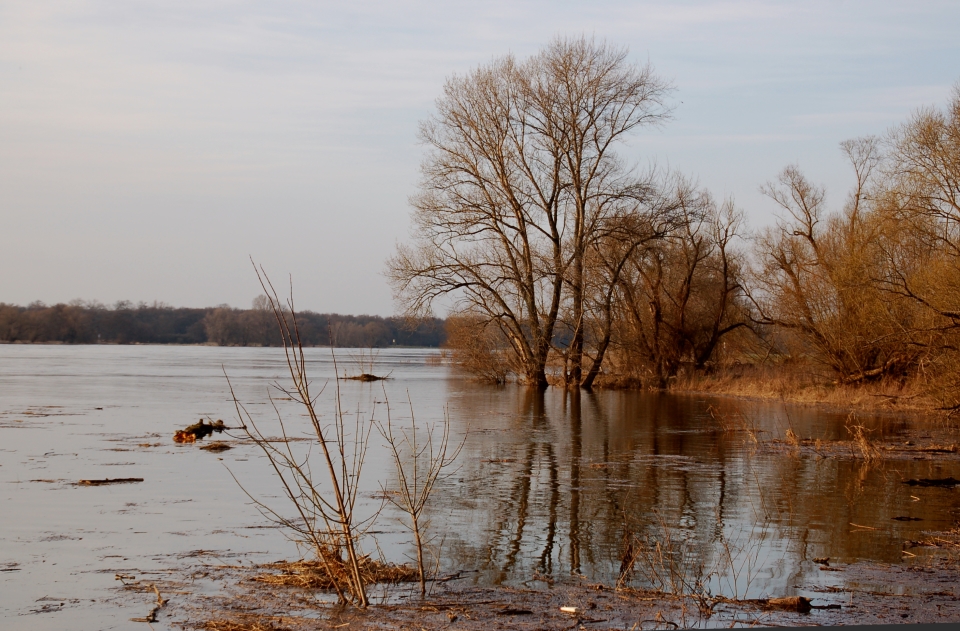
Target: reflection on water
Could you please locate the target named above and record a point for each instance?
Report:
(549, 484)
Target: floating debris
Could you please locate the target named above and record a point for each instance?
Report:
(217, 446)
(933, 482)
(198, 431)
(799, 604)
(108, 481)
(365, 377)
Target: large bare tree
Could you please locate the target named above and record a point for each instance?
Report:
(519, 182)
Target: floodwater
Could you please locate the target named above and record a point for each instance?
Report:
(545, 488)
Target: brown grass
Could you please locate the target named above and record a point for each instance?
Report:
(792, 439)
(858, 434)
(313, 574)
(235, 625)
(795, 384)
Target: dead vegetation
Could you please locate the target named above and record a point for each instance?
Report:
(106, 481)
(324, 515)
(866, 448)
(198, 431)
(322, 521)
(797, 384)
(365, 360)
(862, 442)
(217, 446)
(316, 575)
(255, 623)
(700, 576)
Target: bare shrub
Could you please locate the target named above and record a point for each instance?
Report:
(420, 462)
(479, 347)
(864, 446)
(324, 522)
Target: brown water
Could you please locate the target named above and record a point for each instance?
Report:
(547, 485)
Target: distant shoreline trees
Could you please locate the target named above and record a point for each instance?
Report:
(126, 323)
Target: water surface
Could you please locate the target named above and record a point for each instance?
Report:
(548, 484)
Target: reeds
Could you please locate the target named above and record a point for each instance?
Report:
(734, 422)
(861, 442)
(665, 561)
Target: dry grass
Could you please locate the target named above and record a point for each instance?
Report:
(314, 574)
(794, 384)
(236, 625)
(792, 438)
(861, 441)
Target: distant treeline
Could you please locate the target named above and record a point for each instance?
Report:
(126, 323)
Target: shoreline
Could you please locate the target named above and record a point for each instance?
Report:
(927, 591)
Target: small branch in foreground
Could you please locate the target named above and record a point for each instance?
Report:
(417, 478)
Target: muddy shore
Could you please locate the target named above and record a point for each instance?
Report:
(924, 592)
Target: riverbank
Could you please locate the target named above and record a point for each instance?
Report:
(926, 590)
(810, 388)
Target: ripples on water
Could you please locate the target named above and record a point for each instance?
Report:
(548, 484)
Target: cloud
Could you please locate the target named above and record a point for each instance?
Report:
(199, 122)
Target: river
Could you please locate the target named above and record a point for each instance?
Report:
(548, 487)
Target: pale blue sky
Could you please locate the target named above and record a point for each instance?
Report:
(147, 148)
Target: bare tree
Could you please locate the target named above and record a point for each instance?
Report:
(818, 270)
(680, 295)
(920, 197)
(520, 180)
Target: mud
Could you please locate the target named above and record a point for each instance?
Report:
(924, 592)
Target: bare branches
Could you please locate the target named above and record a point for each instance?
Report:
(421, 462)
(519, 180)
(327, 525)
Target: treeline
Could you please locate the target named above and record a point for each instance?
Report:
(572, 268)
(125, 323)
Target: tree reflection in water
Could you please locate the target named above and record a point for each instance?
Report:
(553, 481)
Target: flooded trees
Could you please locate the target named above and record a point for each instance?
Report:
(680, 295)
(870, 291)
(519, 184)
(814, 275)
(560, 260)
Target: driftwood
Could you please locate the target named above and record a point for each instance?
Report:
(216, 446)
(152, 616)
(933, 482)
(108, 481)
(198, 431)
(365, 377)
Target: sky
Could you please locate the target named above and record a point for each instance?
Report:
(149, 150)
